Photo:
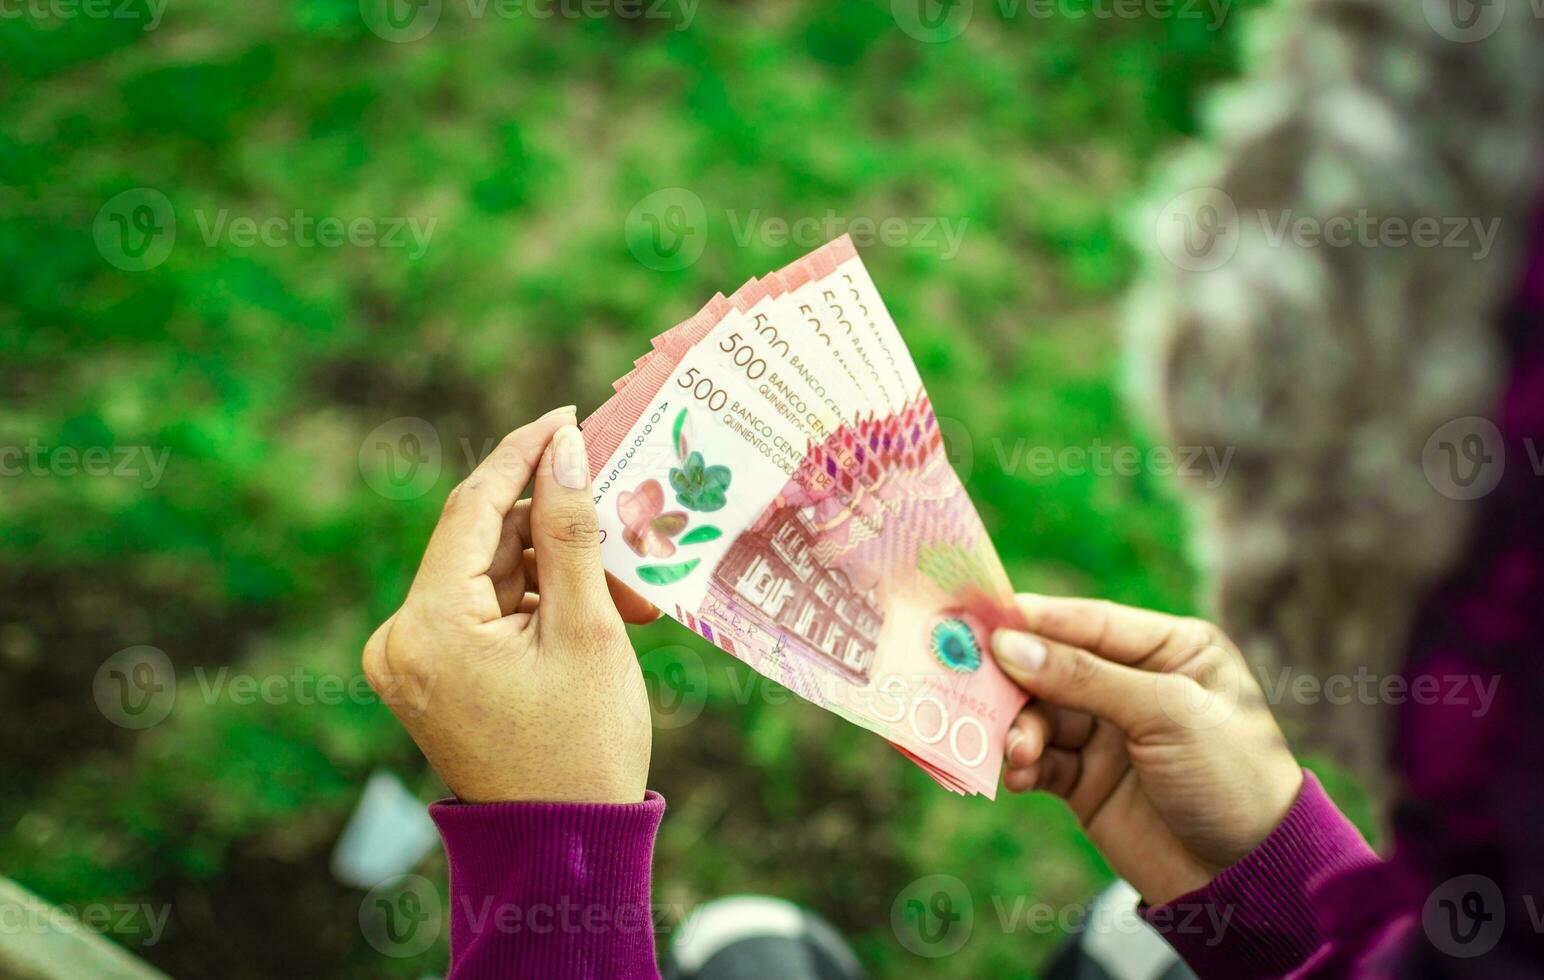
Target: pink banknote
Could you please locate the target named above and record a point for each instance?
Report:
(772, 475)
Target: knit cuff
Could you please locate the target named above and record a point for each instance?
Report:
(1255, 919)
(550, 889)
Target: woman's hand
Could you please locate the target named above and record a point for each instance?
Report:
(513, 695)
(1154, 732)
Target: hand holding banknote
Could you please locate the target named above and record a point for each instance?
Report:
(1153, 730)
(508, 661)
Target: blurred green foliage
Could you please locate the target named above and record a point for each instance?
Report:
(262, 369)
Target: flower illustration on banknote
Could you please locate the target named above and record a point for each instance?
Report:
(699, 486)
(647, 529)
(651, 532)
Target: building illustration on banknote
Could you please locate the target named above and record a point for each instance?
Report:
(774, 569)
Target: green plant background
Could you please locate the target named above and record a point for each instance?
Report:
(262, 369)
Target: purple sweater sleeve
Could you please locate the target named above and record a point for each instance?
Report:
(1257, 918)
(556, 890)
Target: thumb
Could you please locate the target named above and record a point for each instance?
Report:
(565, 534)
(1071, 677)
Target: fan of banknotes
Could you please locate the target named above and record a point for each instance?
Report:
(772, 475)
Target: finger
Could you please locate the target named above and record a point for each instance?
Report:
(1021, 779)
(565, 535)
(632, 607)
(514, 539)
(373, 661)
(1072, 728)
(1059, 772)
(468, 535)
(1122, 633)
(1070, 677)
(510, 594)
(1029, 735)
(1104, 762)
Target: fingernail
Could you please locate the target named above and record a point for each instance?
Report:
(565, 410)
(1019, 649)
(570, 466)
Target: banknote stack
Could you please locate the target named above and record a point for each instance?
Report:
(772, 475)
